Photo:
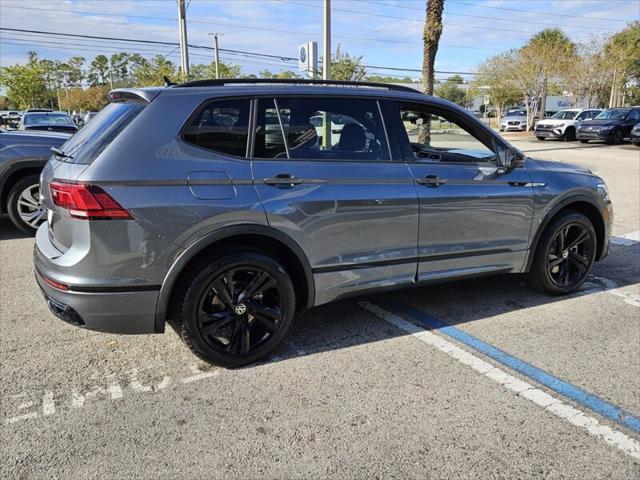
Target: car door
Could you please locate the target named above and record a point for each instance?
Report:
(350, 206)
(633, 117)
(475, 215)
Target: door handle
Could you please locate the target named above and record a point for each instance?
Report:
(431, 181)
(283, 180)
(519, 184)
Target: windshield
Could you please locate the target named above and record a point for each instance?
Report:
(96, 135)
(31, 119)
(565, 115)
(613, 114)
(516, 113)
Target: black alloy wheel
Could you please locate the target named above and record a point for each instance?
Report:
(616, 137)
(569, 255)
(564, 255)
(238, 309)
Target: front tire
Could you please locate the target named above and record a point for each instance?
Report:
(540, 138)
(237, 309)
(569, 134)
(24, 205)
(584, 141)
(564, 256)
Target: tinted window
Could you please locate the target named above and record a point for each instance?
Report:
(94, 137)
(320, 128)
(437, 135)
(221, 126)
(634, 115)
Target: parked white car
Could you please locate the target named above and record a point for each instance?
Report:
(514, 121)
(562, 124)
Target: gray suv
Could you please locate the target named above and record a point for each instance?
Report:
(224, 207)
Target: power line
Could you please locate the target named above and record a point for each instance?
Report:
(247, 27)
(537, 12)
(501, 19)
(241, 53)
(408, 19)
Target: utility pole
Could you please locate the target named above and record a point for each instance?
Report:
(184, 49)
(215, 48)
(326, 50)
(326, 72)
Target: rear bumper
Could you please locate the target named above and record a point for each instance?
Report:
(113, 312)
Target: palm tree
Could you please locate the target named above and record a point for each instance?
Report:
(430, 37)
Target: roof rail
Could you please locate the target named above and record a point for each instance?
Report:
(293, 81)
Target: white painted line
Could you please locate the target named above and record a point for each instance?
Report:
(604, 285)
(524, 389)
(626, 239)
(199, 374)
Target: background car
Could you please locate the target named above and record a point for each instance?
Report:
(50, 121)
(613, 125)
(562, 124)
(635, 135)
(10, 118)
(514, 121)
(22, 156)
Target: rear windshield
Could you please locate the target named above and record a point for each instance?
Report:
(95, 136)
(31, 119)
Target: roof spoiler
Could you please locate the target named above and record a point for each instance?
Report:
(141, 95)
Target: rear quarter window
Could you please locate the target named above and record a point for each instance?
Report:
(221, 126)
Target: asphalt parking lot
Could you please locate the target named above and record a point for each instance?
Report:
(475, 379)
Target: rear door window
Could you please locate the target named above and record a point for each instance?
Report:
(94, 137)
(320, 128)
(221, 126)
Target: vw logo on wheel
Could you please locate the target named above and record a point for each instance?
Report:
(240, 309)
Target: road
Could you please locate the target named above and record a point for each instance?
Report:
(475, 379)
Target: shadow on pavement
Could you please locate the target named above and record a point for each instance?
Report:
(344, 324)
(8, 231)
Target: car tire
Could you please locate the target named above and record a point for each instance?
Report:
(558, 266)
(237, 308)
(615, 137)
(540, 138)
(24, 199)
(569, 134)
(584, 141)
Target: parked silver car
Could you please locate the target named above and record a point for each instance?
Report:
(158, 212)
(514, 121)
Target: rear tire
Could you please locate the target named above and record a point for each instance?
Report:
(615, 138)
(237, 309)
(24, 204)
(564, 256)
(540, 138)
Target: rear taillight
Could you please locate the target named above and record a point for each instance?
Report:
(86, 201)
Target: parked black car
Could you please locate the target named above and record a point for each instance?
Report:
(49, 121)
(635, 135)
(613, 125)
(22, 156)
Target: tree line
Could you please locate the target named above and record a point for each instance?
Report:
(81, 85)
(599, 72)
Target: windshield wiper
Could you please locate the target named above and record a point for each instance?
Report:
(60, 153)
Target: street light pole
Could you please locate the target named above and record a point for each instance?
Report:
(184, 49)
(215, 48)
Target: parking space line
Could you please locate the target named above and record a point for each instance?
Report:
(524, 389)
(559, 386)
(626, 239)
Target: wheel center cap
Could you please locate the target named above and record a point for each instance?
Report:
(565, 254)
(240, 309)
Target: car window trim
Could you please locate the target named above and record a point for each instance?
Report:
(284, 136)
(273, 97)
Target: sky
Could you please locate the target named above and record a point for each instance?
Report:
(386, 33)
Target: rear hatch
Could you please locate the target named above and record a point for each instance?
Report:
(69, 210)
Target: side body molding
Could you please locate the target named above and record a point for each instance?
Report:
(197, 247)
